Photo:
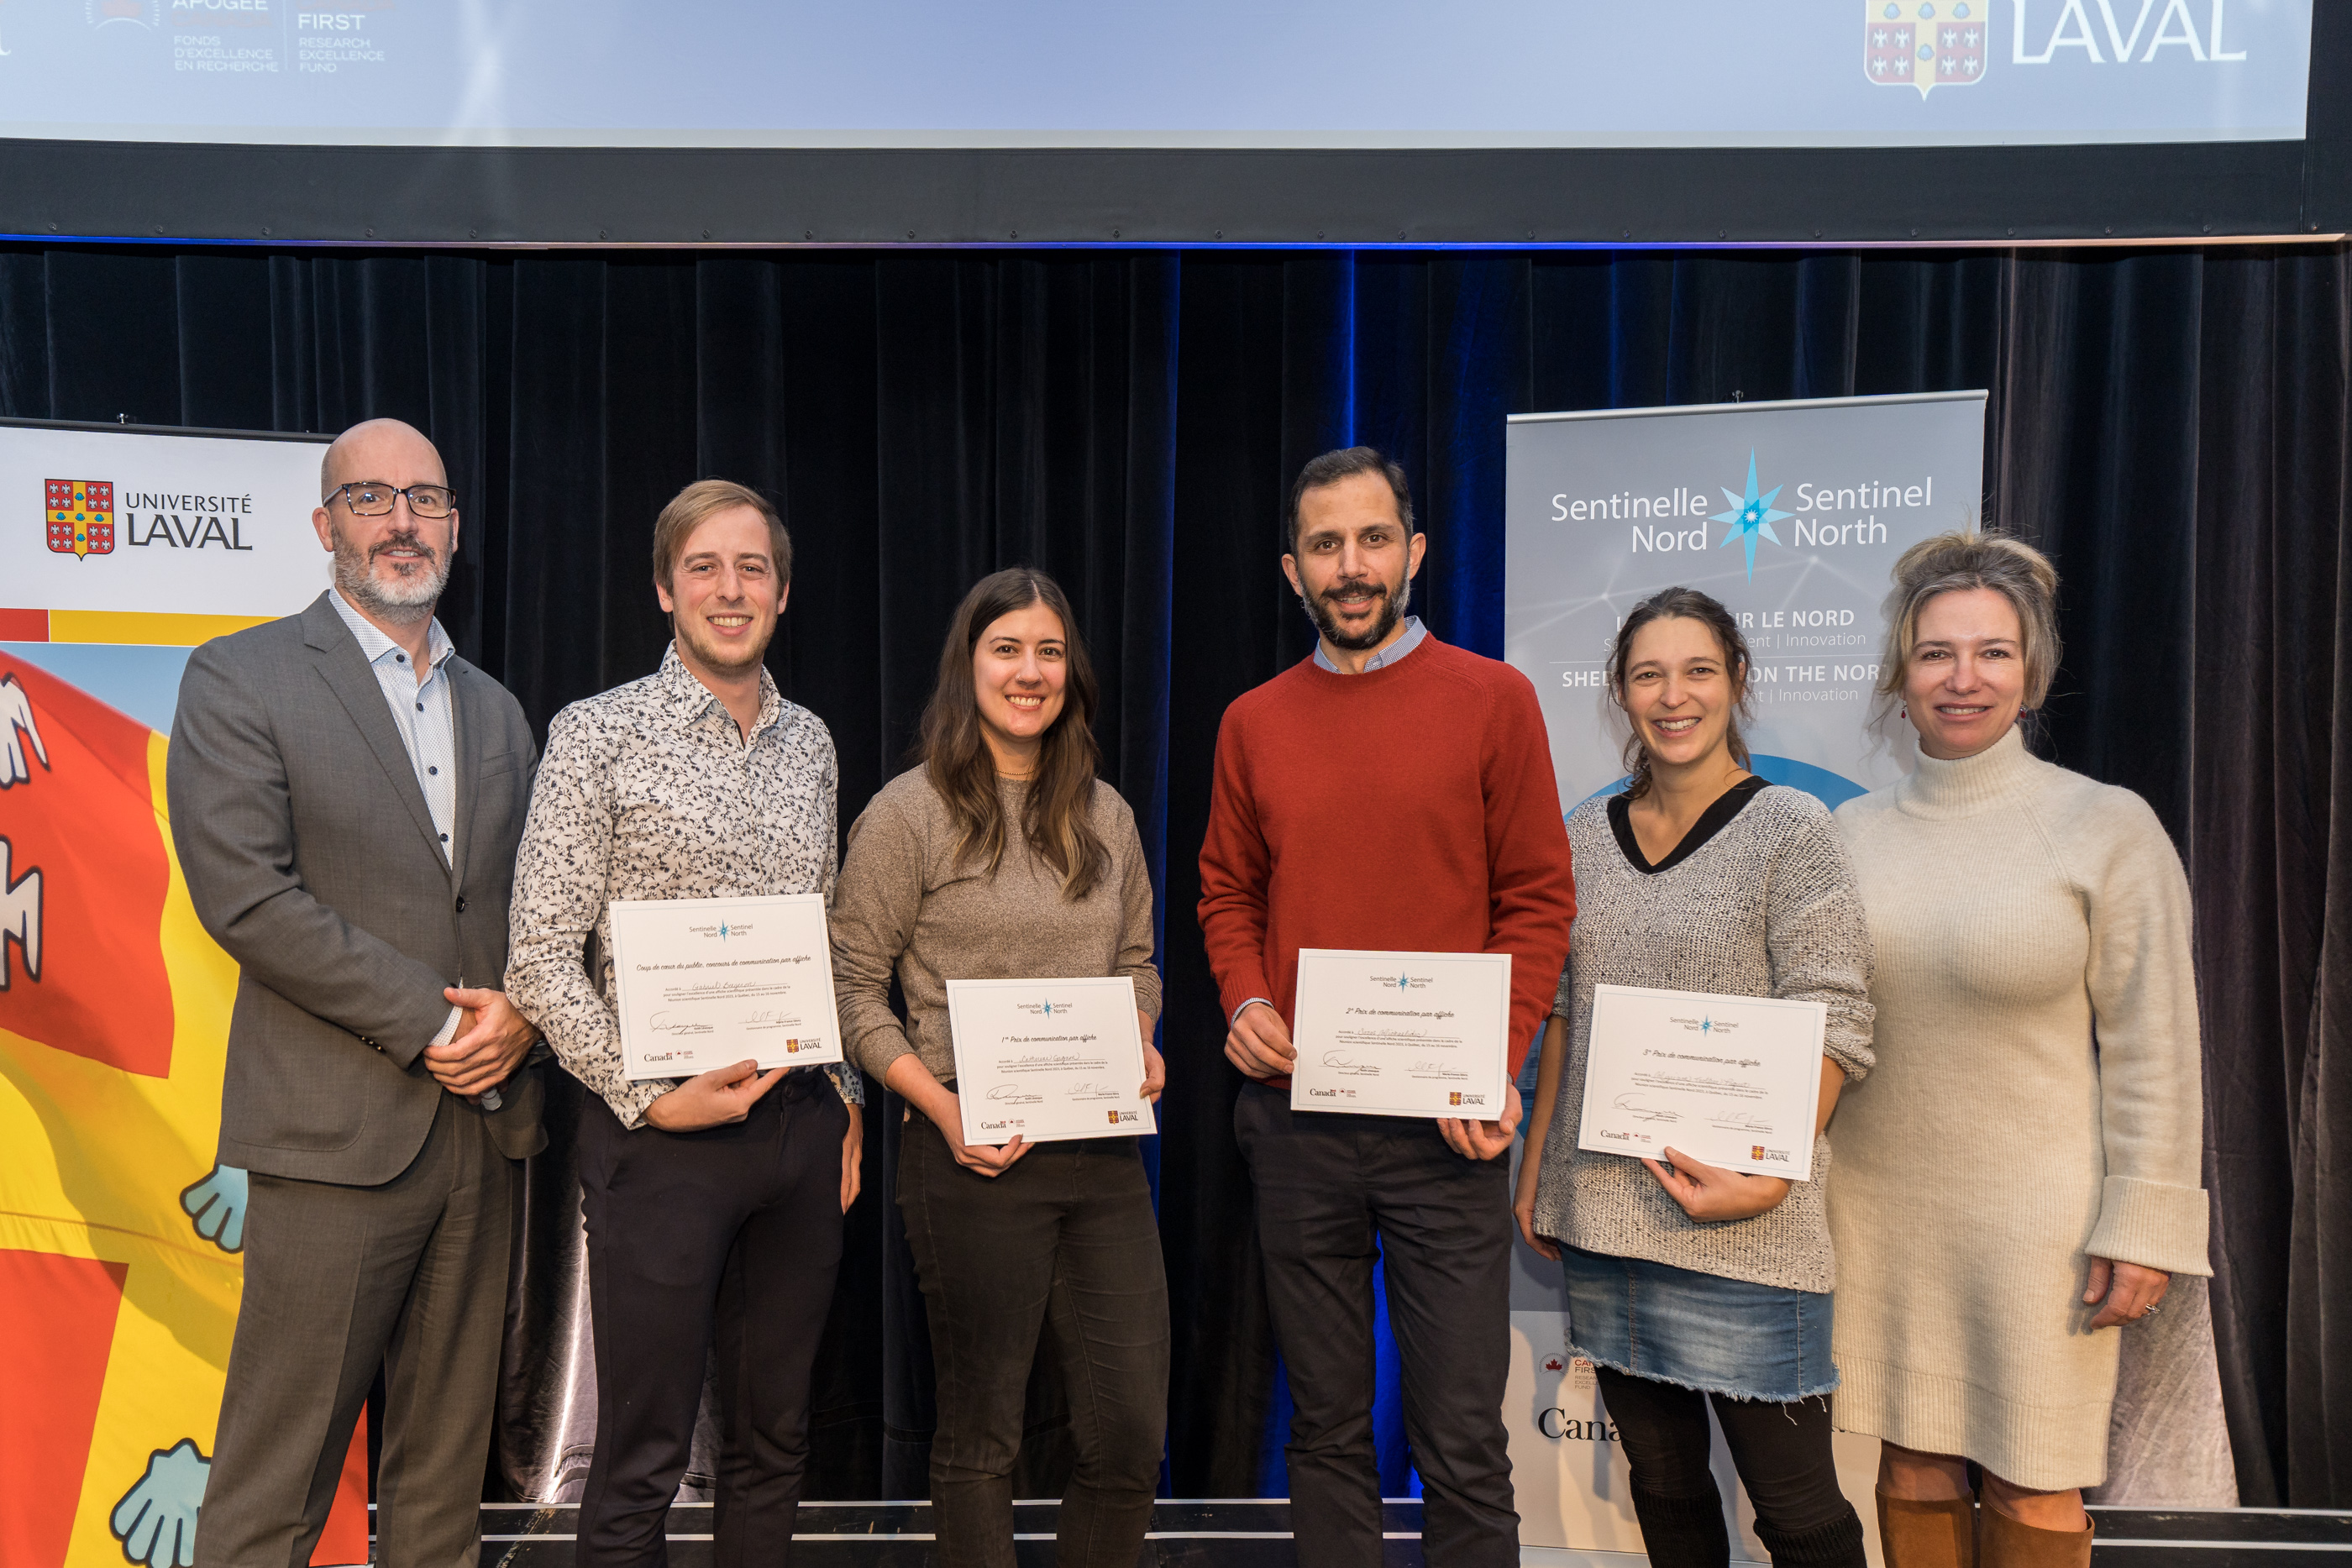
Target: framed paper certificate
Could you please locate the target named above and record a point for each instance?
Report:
(1402, 1034)
(705, 982)
(1047, 1061)
(1734, 1081)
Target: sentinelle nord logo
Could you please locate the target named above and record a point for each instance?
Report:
(1752, 516)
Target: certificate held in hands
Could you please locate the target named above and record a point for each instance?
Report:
(1733, 1081)
(707, 982)
(1048, 1060)
(1402, 1034)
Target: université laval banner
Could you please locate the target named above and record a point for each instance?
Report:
(119, 551)
(1792, 515)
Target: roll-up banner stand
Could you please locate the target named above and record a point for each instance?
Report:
(1792, 515)
(121, 549)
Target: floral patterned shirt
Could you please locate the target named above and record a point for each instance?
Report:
(650, 790)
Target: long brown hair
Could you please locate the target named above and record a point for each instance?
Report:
(1056, 819)
(1686, 604)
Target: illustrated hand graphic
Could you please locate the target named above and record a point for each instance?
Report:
(218, 1205)
(156, 1520)
(17, 730)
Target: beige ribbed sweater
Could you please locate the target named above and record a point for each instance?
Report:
(2037, 1102)
(905, 905)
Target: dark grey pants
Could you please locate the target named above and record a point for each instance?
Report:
(410, 1276)
(1066, 1244)
(1336, 1194)
(714, 1248)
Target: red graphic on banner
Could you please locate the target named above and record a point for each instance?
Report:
(83, 873)
(56, 1318)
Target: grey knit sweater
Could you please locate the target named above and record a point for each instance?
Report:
(1766, 907)
(905, 905)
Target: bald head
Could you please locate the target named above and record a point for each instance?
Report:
(391, 561)
(390, 449)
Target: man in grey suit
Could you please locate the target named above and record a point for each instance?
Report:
(346, 798)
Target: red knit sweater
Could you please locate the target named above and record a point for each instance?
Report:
(1409, 809)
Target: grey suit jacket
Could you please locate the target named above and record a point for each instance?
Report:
(313, 861)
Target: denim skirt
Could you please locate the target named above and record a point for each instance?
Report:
(1698, 1331)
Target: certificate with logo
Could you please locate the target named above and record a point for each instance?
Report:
(1733, 1081)
(1402, 1034)
(707, 982)
(1045, 1060)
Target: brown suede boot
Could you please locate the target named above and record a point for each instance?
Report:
(1928, 1535)
(2010, 1544)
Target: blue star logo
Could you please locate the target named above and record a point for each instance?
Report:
(722, 931)
(1751, 515)
(1705, 1025)
(1049, 1009)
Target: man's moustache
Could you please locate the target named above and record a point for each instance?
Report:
(405, 541)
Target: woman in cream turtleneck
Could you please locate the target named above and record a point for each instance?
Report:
(2019, 1180)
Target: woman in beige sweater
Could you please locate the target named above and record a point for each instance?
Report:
(2020, 1178)
(1004, 857)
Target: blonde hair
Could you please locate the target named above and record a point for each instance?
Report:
(697, 503)
(1956, 562)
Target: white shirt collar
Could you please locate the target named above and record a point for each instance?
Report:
(375, 644)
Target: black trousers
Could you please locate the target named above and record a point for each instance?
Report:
(1335, 1194)
(729, 1237)
(1783, 1456)
(1064, 1245)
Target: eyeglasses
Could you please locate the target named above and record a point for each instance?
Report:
(373, 499)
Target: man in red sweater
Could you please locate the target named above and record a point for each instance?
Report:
(1390, 794)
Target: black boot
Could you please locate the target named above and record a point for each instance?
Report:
(1683, 1532)
(1837, 1544)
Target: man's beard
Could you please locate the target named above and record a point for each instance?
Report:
(1393, 604)
(713, 657)
(409, 596)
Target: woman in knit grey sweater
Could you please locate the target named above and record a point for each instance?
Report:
(1687, 1284)
(2021, 1176)
(1004, 857)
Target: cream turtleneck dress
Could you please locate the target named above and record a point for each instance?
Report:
(2037, 1102)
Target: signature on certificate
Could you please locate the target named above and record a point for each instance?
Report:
(662, 1023)
(1014, 1094)
(1090, 1091)
(1347, 1066)
(1632, 1105)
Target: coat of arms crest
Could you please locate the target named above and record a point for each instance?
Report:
(81, 517)
(1925, 44)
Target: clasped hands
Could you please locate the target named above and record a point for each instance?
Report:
(491, 1040)
(1258, 1042)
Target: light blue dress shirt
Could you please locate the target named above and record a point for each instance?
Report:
(428, 722)
(1413, 632)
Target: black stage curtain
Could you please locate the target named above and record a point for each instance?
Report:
(2172, 425)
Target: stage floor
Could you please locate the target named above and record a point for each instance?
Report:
(1255, 1534)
